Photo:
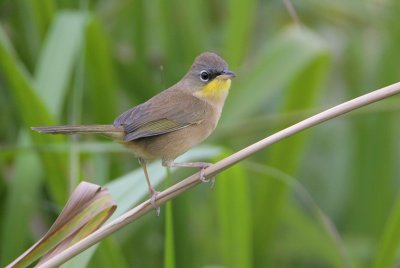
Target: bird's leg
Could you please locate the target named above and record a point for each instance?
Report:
(153, 193)
(201, 165)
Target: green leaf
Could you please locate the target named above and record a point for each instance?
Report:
(21, 203)
(234, 217)
(33, 112)
(386, 255)
(58, 58)
(238, 31)
(101, 93)
(180, 48)
(33, 18)
(20, 85)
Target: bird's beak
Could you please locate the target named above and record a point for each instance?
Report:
(226, 75)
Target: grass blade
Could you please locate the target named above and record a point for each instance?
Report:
(101, 95)
(386, 254)
(27, 100)
(21, 203)
(33, 18)
(238, 31)
(234, 218)
(58, 58)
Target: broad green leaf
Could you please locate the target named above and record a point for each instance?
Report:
(234, 217)
(20, 84)
(180, 48)
(33, 18)
(21, 203)
(386, 254)
(138, 69)
(58, 58)
(238, 31)
(101, 94)
(33, 112)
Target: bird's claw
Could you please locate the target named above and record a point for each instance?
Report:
(202, 174)
(153, 198)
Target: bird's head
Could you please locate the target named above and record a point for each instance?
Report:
(209, 77)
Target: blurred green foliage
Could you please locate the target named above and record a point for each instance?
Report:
(87, 61)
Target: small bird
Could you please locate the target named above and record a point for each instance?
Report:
(171, 122)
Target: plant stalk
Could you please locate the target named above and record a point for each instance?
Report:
(218, 167)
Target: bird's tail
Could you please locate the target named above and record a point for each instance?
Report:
(105, 130)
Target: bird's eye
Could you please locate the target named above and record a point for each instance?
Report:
(204, 76)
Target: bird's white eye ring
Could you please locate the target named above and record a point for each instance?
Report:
(204, 76)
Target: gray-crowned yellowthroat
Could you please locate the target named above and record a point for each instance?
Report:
(170, 123)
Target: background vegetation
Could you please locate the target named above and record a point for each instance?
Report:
(326, 198)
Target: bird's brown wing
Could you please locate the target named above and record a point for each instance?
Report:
(164, 113)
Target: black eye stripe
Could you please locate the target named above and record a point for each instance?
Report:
(211, 74)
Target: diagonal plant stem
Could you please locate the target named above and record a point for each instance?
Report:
(218, 167)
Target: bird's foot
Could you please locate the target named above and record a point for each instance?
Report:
(203, 166)
(153, 198)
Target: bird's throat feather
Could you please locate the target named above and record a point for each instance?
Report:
(215, 90)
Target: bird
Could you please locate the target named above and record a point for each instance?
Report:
(171, 122)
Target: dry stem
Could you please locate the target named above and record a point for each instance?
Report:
(213, 170)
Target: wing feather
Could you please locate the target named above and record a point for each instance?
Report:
(154, 117)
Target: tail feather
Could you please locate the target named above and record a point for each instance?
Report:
(106, 130)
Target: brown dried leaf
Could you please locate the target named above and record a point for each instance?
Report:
(87, 209)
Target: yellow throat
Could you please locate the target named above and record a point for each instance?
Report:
(217, 89)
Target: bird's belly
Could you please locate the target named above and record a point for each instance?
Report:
(170, 145)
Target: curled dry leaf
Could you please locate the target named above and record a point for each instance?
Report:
(87, 209)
